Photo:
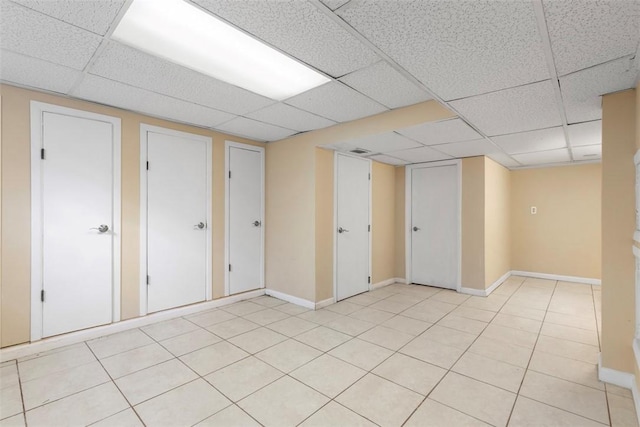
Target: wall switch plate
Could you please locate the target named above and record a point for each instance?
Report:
(534, 210)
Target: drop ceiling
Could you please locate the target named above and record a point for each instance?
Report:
(525, 78)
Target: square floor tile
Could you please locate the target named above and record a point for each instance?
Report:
(381, 401)
(462, 324)
(14, 421)
(264, 317)
(449, 336)
(490, 303)
(151, 382)
(568, 369)
(117, 343)
(344, 307)
(268, 301)
(432, 352)
(350, 326)
(243, 308)
(361, 353)
(191, 341)
(214, 357)
(569, 333)
(257, 340)
(622, 410)
(64, 383)
(48, 363)
(474, 313)
(211, 317)
(434, 414)
(291, 309)
(283, 403)
(328, 375)
(502, 351)
(394, 307)
(517, 322)
(524, 312)
(320, 316)
(9, 375)
(83, 408)
(288, 355)
(231, 416)
(529, 413)
(322, 338)
(569, 349)
(511, 336)
(126, 418)
(134, 360)
(364, 299)
(372, 315)
(232, 328)
(243, 378)
(483, 401)
(334, 414)
(407, 325)
(588, 323)
(425, 314)
(10, 401)
(451, 297)
(186, 405)
(292, 326)
(578, 399)
(411, 373)
(494, 372)
(169, 328)
(619, 391)
(386, 337)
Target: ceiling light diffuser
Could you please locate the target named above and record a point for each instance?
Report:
(182, 33)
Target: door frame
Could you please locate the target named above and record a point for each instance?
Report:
(37, 238)
(144, 144)
(227, 208)
(335, 219)
(408, 209)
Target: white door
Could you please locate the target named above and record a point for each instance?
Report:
(434, 226)
(176, 220)
(77, 208)
(352, 226)
(245, 219)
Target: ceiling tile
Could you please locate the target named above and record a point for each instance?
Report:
(587, 33)
(382, 83)
(512, 110)
(334, 4)
(92, 15)
(23, 70)
(290, 117)
(478, 147)
(383, 142)
(135, 68)
(388, 160)
(527, 142)
(581, 91)
(456, 48)
(504, 159)
(588, 133)
(120, 95)
(33, 34)
(336, 102)
(442, 132)
(543, 157)
(419, 155)
(299, 29)
(253, 129)
(587, 152)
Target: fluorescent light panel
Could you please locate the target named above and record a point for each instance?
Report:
(181, 33)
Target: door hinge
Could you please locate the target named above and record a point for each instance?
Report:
(369, 279)
(42, 153)
(369, 177)
(369, 227)
(229, 174)
(42, 295)
(147, 165)
(147, 279)
(229, 267)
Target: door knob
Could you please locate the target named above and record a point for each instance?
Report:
(102, 229)
(199, 225)
(415, 229)
(342, 230)
(257, 223)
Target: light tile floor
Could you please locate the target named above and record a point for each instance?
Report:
(401, 355)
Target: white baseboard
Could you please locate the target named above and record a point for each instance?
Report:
(324, 303)
(486, 292)
(636, 399)
(472, 291)
(615, 377)
(575, 279)
(290, 298)
(386, 283)
(46, 344)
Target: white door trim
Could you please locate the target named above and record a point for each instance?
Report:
(227, 206)
(144, 143)
(407, 215)
(37, 110)
(335, 219)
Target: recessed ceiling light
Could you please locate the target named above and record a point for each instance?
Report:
(181, 33)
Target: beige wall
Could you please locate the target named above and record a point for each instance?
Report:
(618, 224)
(497, 218)
(383, 228)
(473, 255)
(400, 230)
(324, 224)
(16, 217)
(291, 215)
(564, 237)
